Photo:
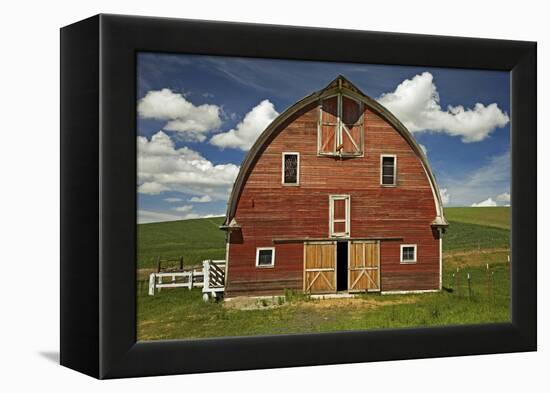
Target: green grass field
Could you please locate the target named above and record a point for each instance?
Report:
(195, 240)
(497, 217)
(476, 236)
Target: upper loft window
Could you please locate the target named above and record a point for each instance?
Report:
(291, 169)
(388, 170)
(340, 130)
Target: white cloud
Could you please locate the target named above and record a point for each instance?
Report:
(445, 196)
(490, 179)
(151, 188)
(146, 216)
(416, 103)
(163, 167)
(184, 208)
(172, 200)
(489, 202)
(504, 197)
(202, 199)
(182, 116)
(247, 131)
(424, 149)
(192, 216)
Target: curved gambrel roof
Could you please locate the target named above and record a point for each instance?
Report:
(338, 85)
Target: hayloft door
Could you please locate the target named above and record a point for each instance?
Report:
(339, 215)
(364, 266)
(320, 267)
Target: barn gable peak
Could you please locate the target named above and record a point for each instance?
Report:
(342, 83)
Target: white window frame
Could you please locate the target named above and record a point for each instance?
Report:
(340, 126)
(258, 249)
(331, 232)
(401, 253)
(394, 156)
(285, 153)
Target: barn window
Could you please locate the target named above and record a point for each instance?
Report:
(291, 169)
(339, 215)
(340, 131)
(265, 257)
(388, 170)
(408, 253)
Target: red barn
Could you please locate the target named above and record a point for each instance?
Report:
(334, 196)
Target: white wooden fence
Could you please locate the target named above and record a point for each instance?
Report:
(211, 278)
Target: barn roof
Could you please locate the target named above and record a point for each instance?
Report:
(339, 84)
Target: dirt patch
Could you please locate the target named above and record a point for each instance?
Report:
(357, 302)
(475, 257)
(249, 303)
(451, 254)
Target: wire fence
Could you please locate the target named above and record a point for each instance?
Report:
(479, 282)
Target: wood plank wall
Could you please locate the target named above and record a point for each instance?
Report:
(267, 210)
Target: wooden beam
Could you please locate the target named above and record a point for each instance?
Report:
(309, 239)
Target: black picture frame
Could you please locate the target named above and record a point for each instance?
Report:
(98, 195)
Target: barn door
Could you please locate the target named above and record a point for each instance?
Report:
(352, 124)
(329, 125)
(320, 267)
(364, 266)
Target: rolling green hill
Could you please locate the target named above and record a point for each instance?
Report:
(194, 239)
(498, 217)
(476, 228)
(461, 236)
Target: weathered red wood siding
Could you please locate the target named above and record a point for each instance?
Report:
(268, 210)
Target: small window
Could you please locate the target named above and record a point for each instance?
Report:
(388, 170)
(265, 257)
(408, 253)
(291, 169)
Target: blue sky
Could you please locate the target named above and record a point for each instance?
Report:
(198, 115)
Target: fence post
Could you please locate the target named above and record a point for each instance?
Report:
(181, 262)
(205, 280)
(152, 284)
(158, 264)
(206, 276)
